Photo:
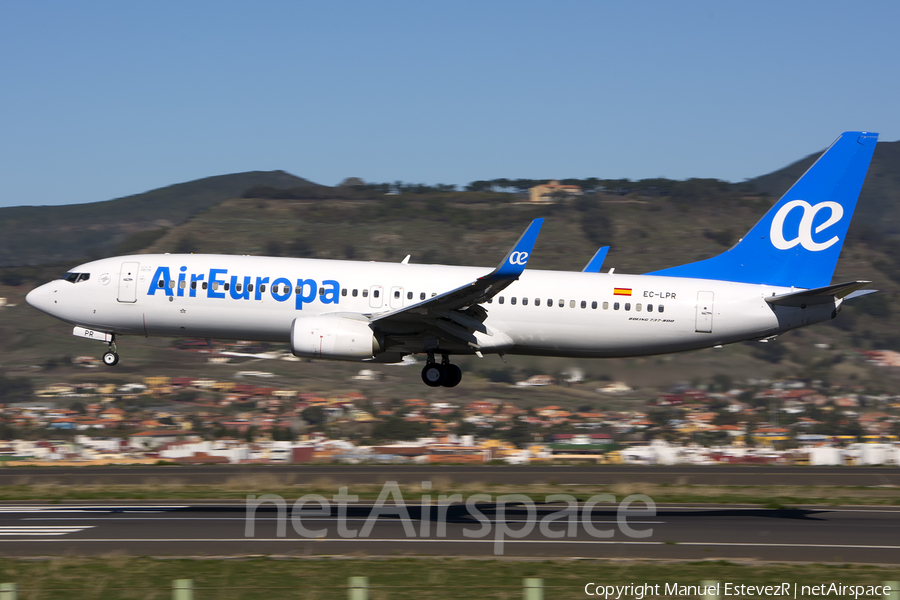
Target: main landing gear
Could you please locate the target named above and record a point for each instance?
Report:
(443, 374)
(111, 357)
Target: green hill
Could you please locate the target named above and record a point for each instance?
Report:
(34, 235)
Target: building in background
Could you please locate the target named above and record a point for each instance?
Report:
(553, 191)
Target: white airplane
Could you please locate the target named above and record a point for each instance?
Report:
(777, 278)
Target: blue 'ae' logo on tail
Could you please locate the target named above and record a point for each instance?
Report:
(805, 228)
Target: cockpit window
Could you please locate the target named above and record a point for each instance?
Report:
(76, 277)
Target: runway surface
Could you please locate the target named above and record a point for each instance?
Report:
(509, 475)
(673, 532)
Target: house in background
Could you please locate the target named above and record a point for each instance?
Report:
(552, 191)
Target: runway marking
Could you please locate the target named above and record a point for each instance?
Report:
(306, 519)
(87, 509)
(483, 541)
(38, 530)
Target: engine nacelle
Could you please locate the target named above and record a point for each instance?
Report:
(333, 336)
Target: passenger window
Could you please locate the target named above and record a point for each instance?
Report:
(215, 285)
(615, 306)
(649, 308)
(500, 300)
(162, 283)
(365, 293)
(397, 294)
(376, 293)
(524, 301)
(571, 304)
(344, 292)
(172, 284)
(262, 287)
(355, 293)
(537, 301)
(594, 304)
(287, 288)
(237, 287)
(422, 296)
(193, 285)
(637, 307)
(562, 303)
(490, 300)
(204, 285)
(297, 290)
(512, 300)
(606, 306)
(226, 286)
(409, 295)
(661, 308)
(183, 284)
(249, 287)
(628, 306)
(583, 304)
(433, 294)
(321, 291)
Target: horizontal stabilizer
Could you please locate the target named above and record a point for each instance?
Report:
(822, 295)
(859, 294)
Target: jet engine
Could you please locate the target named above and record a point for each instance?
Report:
(334, 336)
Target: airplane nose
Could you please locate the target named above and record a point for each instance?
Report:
(41, 297)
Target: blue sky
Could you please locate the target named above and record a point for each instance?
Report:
(106, 99)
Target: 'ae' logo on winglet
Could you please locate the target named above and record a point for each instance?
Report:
(518, 258)
(805, 230)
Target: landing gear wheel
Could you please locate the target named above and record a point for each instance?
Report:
(433, 375)
(452, 376)
(110, 359)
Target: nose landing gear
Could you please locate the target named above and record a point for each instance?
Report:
(443, 374)
(111, 357)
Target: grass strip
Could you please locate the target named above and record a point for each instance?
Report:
(239, 488)
(273, 578)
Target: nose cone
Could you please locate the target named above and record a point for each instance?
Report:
(41, 298)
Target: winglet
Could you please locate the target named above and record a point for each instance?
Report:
(516, 259)
(596, 263)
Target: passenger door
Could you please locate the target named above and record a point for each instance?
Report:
(704, 312)
(128, 282)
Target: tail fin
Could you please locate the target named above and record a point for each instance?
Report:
(797, 243)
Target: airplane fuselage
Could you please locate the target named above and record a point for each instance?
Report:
(550, 313)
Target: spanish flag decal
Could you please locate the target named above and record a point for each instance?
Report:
(621, 291)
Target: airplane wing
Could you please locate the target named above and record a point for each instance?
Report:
(822, 295)
(456, 313)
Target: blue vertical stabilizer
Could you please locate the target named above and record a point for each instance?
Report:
(798, 242)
